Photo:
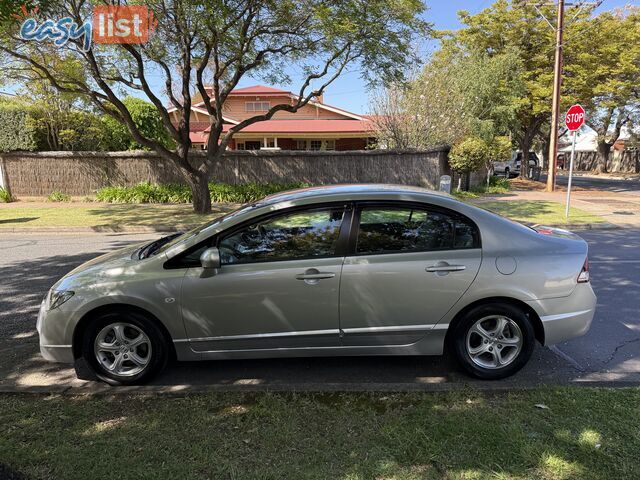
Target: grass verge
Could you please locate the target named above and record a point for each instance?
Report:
(583, 434)
(95, 215)
(539, 211)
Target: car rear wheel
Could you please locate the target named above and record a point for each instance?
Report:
(124, 348)
(493, 341)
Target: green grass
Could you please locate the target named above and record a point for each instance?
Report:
(497, 185)
(542, 212)
(584, 434)
(99, 215)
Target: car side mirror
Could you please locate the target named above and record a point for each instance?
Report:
(210, 259)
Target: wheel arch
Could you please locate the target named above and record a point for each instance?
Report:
(531, 314)
(85, 320)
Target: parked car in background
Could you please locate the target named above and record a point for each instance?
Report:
(326, 271)
(511, 168)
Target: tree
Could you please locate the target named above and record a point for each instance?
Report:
(147, 121)
(468, 156)
(459, 93)
(203, 49)
(603, 72)
(519, 28)
(499, 150)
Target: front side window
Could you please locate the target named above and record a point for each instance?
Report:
(296, 235)
(391, 230)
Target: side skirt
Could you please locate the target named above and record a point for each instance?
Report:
(430, 344)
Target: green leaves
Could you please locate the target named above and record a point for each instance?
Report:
(147, 120)
(469, 155)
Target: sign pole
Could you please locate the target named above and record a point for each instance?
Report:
(573, 154)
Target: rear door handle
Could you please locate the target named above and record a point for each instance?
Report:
(445, 268)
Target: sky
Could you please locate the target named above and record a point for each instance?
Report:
(350, 92)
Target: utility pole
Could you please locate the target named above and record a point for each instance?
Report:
(555, 107)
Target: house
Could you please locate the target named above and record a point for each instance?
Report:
(316, 126)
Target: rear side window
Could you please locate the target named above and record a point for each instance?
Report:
(398, 229)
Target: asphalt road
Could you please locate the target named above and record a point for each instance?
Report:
(602, 184)
(610, 352)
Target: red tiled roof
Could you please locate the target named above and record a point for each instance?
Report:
(199, 137)
(306, 126)
(258, 90)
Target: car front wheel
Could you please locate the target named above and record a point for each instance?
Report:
(124, 348)
(493, 341)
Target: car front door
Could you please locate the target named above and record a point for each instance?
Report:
(410, 265)
(277, 286)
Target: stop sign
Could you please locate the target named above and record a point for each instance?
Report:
(574, 118)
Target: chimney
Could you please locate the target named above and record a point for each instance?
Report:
(319, 96)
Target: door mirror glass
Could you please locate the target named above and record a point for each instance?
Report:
(210, 258)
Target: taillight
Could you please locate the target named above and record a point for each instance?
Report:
(584, 273)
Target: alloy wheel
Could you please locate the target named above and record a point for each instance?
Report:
(494, 342)
(122, 349)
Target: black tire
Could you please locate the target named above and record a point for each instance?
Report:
(506, 173)
(156, 356)
(458, 340)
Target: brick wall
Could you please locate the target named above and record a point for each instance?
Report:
(82, 173)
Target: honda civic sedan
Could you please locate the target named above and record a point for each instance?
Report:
(326, 271)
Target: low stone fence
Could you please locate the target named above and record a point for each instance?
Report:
(82, 173)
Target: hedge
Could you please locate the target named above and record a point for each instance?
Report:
(220, 192)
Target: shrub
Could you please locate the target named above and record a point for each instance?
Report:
(4, 196)
(16, 131)
(56, 196)
(220, 192)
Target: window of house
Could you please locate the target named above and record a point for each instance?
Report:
(301, 144)
(295, 235)
(315, 145)
(240, 146)
(391, 230)
(257, 106)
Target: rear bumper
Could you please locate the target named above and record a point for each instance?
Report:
(568, 317)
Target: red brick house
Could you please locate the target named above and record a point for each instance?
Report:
(316, 126)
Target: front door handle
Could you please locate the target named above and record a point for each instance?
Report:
(313, 276)
(444, 267)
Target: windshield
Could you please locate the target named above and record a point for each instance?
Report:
(195, 231)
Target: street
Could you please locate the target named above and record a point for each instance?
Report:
(610, 352)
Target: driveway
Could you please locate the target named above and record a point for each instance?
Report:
(30, 264)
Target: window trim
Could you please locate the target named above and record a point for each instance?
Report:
(341, 249)
(399, 204)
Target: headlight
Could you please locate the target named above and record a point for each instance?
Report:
(57, 298)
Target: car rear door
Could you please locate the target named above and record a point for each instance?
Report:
(277, 287)
(408, 265)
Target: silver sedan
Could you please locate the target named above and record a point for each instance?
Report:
(341, 270)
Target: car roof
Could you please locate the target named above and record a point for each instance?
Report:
(343, 192)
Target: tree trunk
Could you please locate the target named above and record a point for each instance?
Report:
(199, 184)
(525, 145)
(467, 182)
(604, 148)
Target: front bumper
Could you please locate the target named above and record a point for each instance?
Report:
(568, 317)
(53, 344)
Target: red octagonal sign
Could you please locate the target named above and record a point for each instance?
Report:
(575, 118)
